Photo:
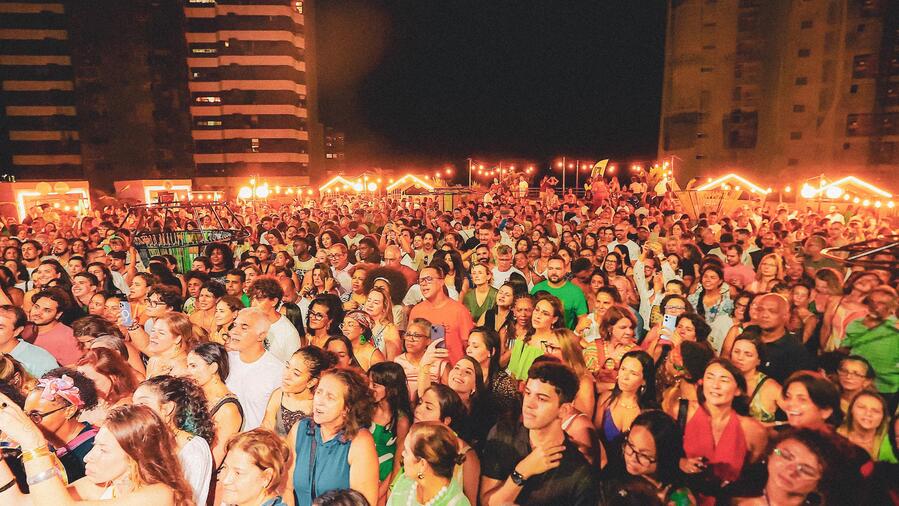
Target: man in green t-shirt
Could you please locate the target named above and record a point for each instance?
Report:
(572, 297)
(876, 338)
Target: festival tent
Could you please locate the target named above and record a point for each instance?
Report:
(23, 197)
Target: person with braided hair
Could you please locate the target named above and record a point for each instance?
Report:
(182, 405)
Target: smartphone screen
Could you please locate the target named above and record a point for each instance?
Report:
(125, 312)
(438, 334)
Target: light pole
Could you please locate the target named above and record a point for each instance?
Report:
(469, 172)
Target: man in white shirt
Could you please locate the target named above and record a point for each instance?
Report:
(339, 257)
(255, 373)
(633, 250)
(503, 269)
(283, 339)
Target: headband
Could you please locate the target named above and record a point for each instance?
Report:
(61, 387)
(362, 318)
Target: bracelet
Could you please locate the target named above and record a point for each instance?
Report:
(8, 485)
(34, 453)
(44, 475)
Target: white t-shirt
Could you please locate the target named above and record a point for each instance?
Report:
(283, 339)
(196, 460)
(253, 384)
(500, 278)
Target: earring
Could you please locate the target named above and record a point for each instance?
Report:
(641, 389)
(420, 476)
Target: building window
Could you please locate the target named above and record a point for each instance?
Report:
(801, 81)
(254, 145)
(860, 28)
(795, 136)
(853, 89)
(204, 51)
(806, 24)
(864, 66)
(738, 93)
(798, 108)
(298, 5)
(706, 69)
(805, 53)
(792, 161)
(209, 100)
(846, 145)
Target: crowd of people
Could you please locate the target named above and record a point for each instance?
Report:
(362, 350)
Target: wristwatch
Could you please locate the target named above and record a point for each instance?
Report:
(517, 478)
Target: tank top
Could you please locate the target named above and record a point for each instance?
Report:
(321, 466)
(385, 445)
(756, 409)
(285, 418)
(610, 431)
(228, 399)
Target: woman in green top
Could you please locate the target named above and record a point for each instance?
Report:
(430, 454)
(867, 423)
(747, 354)
(391, 419)
(483, 296)
(547, 316)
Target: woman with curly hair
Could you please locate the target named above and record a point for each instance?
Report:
(182, 405)
(334, 448)
(132, 462)
(222, 259)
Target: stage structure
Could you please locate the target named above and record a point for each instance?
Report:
(153, 237)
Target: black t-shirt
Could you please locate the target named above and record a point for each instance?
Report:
(786, 356)
(575, 482)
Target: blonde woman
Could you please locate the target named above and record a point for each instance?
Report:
(771, 268)
(384, 333)
(564, 345)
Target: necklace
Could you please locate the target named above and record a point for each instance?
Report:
(412, 500)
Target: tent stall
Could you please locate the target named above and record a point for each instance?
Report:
(22, 198)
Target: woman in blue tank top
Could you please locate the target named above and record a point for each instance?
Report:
(334, 449)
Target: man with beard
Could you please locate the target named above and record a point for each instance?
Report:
(53, 335)
(572, 297)
(31, 255)
(60, 249)
(439, 309)
(533, 461)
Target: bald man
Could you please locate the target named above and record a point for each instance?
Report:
(255, 373)
(784, 351)
(393, 257)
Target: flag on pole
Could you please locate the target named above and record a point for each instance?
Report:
(600, 168)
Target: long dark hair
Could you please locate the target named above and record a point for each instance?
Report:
(191, 412)
(669, 442)
(459, 273)
(491, 342)
(349, 348)
(393, 377)
(646, 396)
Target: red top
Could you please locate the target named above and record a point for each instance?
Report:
(725, 459)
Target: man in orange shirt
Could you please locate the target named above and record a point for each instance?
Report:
(441, 310)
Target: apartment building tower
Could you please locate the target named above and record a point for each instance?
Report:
(782, 90)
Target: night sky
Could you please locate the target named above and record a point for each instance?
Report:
(423, 82)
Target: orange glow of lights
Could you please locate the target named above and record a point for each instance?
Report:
(891, 204)
(414, 179)
(856, 181)
(728, 177)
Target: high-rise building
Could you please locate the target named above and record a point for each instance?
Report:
(335, 150)
(38, 125)
(783, 90)
(131, 89)
(251, 84)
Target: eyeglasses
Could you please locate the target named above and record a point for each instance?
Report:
(550, 347)
(804, 470)
(316, 315)
(675, 308)
(427, 280)
(37, 417)
(642, 458)
(153, 303)
(414, 338)
(852, 374)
